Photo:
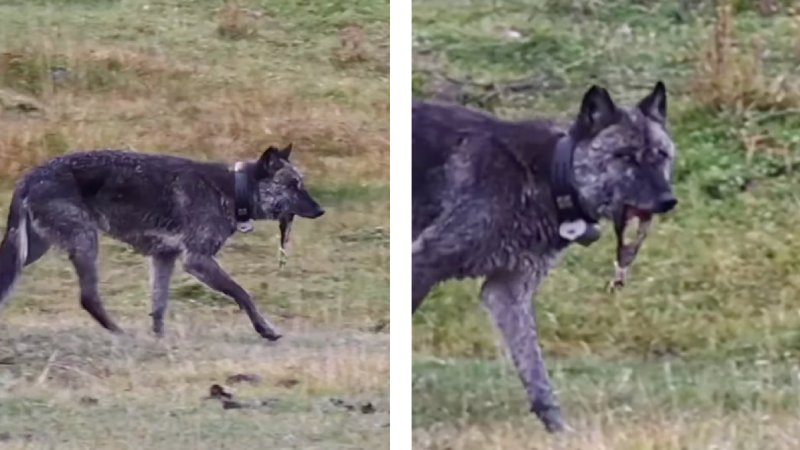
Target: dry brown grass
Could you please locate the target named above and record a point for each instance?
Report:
(235, 22)
(116, 97)
(355, 49)
(314, 359)
(731, 73)
(136, 387)
(352, 46)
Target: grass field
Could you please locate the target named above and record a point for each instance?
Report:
(210, 80)
(701, 348)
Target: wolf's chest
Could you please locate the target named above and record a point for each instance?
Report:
(526, 244)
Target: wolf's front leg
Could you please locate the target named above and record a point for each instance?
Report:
(161, 267)
(507, 296)
(206, 269)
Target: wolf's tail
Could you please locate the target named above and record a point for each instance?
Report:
(14, 248)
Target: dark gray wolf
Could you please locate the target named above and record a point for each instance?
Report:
(165, 207)
(501, 200)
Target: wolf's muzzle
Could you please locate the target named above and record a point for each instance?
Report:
(665, 203)
(319, 211)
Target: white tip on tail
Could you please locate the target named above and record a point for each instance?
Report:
(22, 239)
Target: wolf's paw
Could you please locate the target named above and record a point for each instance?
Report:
(271, 334)
(620, 276)
(615, 285)
(158, 330)
(550, 415)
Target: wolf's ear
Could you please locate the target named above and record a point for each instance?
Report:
(654, 105)
(286, 152)
(270, 154)
(268, 163)
(597, 110)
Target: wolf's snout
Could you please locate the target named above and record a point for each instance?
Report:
(312, 212)
(665, 203)
(317, 213)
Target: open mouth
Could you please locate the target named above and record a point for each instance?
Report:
(631, 227)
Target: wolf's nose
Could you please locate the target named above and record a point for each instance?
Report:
(666, 202)
(318, 213)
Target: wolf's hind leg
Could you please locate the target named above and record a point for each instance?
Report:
(84, 258)
(208, 271)
(37, 246)
(442, 249)
(65, 223)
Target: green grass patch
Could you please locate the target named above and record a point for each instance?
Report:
(472, 392)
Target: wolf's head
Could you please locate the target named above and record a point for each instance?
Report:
(623, 161)
(281, 190)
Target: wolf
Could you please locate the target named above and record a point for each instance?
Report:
(502, 200)
(164, 207)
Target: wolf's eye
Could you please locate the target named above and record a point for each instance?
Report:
(626, 154)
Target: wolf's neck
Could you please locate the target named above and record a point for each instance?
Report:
(589, 183)
(219, 175)
(536, 146)
(223, 178)
(534, 142)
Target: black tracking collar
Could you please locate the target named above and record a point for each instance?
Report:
(242, 198)
(575, 221)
